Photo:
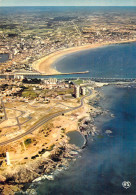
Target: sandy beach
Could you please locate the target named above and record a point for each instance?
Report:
(43, 65)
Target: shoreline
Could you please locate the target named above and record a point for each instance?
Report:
(47, 164)
(75, 151)
(104, 112)
(67, 153)
(85, 131)
(44, 65)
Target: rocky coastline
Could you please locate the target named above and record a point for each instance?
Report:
(59, 158)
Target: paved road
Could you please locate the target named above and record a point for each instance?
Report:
(43, 121)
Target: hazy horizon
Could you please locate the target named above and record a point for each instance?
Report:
(13, 3)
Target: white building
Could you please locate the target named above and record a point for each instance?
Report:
(83, 91)
(7, 158)
(77, 91)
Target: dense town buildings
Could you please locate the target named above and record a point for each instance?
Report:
(26, 38)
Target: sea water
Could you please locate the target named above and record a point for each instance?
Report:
(113, 61)
(110, 159)
(4, 57)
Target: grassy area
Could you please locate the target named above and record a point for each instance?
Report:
(63, 92)
(78, 82)
(30, 93)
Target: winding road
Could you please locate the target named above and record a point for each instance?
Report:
(43, 121)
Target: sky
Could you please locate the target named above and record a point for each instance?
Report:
(67, 2)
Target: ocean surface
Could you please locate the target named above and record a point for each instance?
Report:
(108, 160)
(76, 138)
(114, 61)
(4, 57)
(111, 158)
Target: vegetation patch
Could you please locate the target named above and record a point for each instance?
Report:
(78, 82)
(42, 151)
(28, 141)
(51, 147)
(63, 130)
(34, 157)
